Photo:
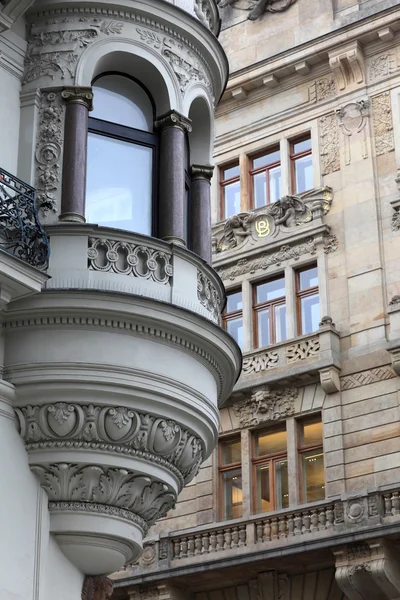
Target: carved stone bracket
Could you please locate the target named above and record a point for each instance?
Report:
(348, 67)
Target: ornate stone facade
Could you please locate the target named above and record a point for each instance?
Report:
(265, 405)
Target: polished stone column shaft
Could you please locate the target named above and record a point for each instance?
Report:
(78, 104)
(200, 211)
(171, 204)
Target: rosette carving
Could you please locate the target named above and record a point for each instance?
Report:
(112, 429)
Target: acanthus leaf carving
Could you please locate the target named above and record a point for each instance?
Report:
(329, 137)
(265, 405)
(383, 125)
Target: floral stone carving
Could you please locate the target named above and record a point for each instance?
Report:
(259, 7)
(265, 405)
(208, 295)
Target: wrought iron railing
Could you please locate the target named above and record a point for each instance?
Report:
(21, 233)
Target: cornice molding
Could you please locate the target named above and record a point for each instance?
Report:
(12, 11)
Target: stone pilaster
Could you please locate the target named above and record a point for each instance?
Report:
(171, 207)
(200, 211)
(79, 103)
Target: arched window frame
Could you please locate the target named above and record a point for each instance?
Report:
(136, 136)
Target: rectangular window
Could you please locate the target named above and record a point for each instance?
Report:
(270, 470)
(233, 316)
(301, 164)
(308, 309)
(269, 312)
(230, 479)
(311, 461)
(265, 175)
(230, 191)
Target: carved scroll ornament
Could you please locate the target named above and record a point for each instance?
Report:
(258, 7)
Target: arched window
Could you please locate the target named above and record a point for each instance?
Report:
(120, 186)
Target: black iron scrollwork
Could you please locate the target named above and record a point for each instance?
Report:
(21, 233)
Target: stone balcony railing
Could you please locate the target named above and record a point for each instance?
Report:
(338, 521)
(298, 361)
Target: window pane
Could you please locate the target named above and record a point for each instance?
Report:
(263, 328)
(280, 323)
(308, 278)
(231, 199)
(232, 495)
(266, 159)
(259, 190)
(120, 100)
(119, 184)
(302, 146)
(313, 476)
(270, 442)
(263, 492)
(233, 302)
(230, 452)
(231, 172)
(310, 314)
(270, 290)
(274, 184)
(303, 174)
(282, 484)
(311, 433)
(235, 328)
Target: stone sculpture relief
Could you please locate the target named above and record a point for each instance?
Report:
(258, 7)
(322, 89)
(383, 125)
(329, 144)
(281, 216)
(97, 588)
(55, 46)
(382, 66)
(208, 295)
(265, 405)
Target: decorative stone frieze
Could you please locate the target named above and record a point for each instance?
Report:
(97, 588)
(352, 122)
(322, 89)
(48, 153)
(265, 405)
(329, 144)
(208, 295)
(129, 259)
(367, 377)
(302, 350)
(280, 217)
(259, 7)
(383, 124)
(382, 66)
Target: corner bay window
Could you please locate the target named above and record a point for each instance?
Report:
(230, 191)
(266, 178)
(312, 476)
(269, 312)
(121, 156)
(308, 309)
(301, 164)
(270, 470)
(230, 479)
(233, 316)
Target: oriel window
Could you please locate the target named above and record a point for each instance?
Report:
(230, 191)
(312, 474)
(308, 307)
(270, 470)
(301, 164)
(230, 478)
(265, 175)
(269, 312)
(233, 316)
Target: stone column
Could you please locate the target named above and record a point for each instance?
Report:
(172, 127)
(200, 211)
(79, 102)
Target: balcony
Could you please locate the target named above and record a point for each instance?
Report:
(119, 366)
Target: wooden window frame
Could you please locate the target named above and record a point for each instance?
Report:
(225, 468)
(304, 293)
(265, 169)
(294, 156)
(271, 304)
(225, 182)
(303, 449)
(264, 460)
(236, 314)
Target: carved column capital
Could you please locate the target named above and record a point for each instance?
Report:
(97, 588)
(173, 119)
(204, 172)
(78, 95)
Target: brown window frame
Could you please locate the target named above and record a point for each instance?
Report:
(266, 459)
(234, 314)
(223, 183)
(265, 168)
(293, 157)
(225, 468)
(303, 449)
(262, 306)
(304, 293)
